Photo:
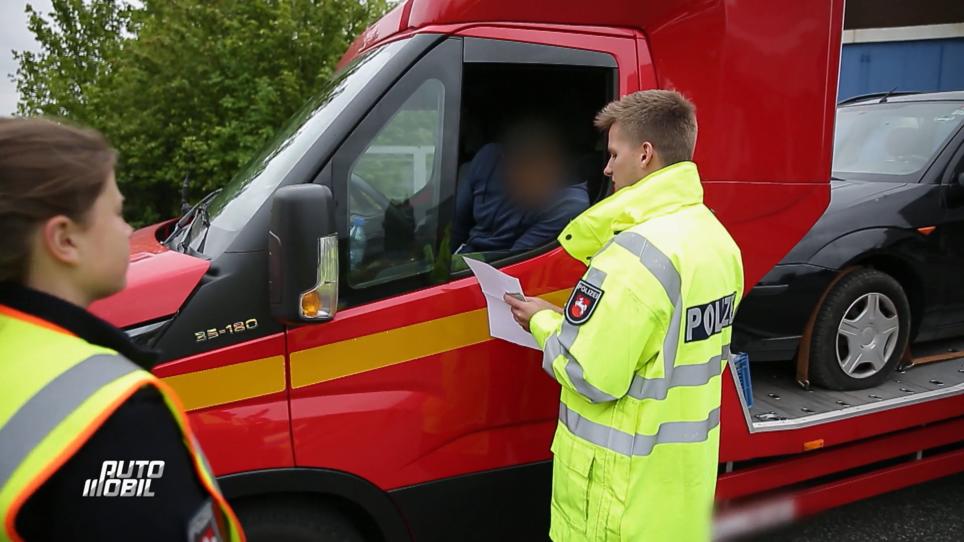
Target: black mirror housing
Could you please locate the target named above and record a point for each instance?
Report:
(303, 255)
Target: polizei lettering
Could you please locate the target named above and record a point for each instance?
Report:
(125, 479)
(704, 321)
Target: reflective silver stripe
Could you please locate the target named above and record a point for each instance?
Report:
(682, 375)
(671, 341)
(561, 345)
(654, 260)
(674, 375)
(638, 444)
(662, 268)
(550, 353)
(52, 404)
(555, 349)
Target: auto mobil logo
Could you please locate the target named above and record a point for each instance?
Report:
(125, 479)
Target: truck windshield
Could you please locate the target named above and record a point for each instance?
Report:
(234, 206)
(892, 142)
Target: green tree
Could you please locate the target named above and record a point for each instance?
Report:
(184, 87)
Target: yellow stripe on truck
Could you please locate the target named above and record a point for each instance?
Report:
(237, 382)
(390, 347)
(251, 379)
(353, 356)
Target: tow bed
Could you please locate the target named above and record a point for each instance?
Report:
(856, 444)
(780, 403)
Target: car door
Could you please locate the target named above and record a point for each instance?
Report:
(951, 239)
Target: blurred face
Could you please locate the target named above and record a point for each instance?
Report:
(628, 161)
(533, 179)
(103, 245)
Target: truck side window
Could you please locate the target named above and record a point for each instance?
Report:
(394, 193)
(530, 159)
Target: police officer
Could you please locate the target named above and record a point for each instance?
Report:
(92, 445)
(640, 345)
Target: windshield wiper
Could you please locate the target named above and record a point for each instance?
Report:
(883, 99)
(202, 213)
(185, 222)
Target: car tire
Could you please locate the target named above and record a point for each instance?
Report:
(295, 519)
(853, 345)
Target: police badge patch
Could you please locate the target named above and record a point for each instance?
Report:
(582, 303)
(203, 527)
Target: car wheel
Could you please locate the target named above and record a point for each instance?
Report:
(860, 332)
(292, 519)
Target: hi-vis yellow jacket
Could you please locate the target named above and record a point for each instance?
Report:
(639, 353)
(56, 390)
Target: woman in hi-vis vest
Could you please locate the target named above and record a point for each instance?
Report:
(92, 445)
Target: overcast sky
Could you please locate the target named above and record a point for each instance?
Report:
(14, 36)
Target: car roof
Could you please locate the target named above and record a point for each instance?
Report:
(904, 96)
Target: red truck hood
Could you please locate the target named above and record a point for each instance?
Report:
(159, 280)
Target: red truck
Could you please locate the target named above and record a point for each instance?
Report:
(335, 358)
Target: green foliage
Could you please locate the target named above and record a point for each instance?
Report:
(184, 87)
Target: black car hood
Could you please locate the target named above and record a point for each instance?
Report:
(845, 194)
(858, 205)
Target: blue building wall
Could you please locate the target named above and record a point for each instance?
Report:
(926, 65)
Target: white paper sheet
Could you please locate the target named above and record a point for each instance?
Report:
(495, 284)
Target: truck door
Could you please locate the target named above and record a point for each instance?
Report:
(404, 386)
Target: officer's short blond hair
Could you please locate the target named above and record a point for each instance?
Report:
(665, 118)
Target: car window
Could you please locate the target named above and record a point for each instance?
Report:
(394, 196)
(892, 141)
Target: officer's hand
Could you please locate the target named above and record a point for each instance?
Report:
(522, 311)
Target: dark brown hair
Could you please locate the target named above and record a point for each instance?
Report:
(663, 117)
(47, 169)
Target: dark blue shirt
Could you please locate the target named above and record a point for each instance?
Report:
(486, 219)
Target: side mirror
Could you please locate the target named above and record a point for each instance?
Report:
(303, 255)
(960, 179)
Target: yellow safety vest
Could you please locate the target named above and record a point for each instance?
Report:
(56, 390)
(639, 353)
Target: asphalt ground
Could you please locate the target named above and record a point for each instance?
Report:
(929, 512)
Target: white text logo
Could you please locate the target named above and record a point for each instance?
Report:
(125, 479)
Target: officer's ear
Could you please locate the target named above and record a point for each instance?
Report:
(55, 239)
(647, 155)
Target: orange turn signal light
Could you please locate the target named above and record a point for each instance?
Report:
(811, 445)
(310, 304)
(927, 230)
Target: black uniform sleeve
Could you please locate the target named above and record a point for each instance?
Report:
(141, 429)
